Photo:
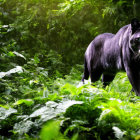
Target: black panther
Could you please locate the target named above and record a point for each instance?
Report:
(109, 53)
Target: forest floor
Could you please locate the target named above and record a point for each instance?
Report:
(65, 108)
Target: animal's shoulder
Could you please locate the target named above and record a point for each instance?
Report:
(104, 36)
(99, 41)
(123, 29)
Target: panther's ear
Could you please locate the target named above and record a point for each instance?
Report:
(135, 24)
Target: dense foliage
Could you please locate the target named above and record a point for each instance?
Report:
(42, 45)
(66, 26)
(72, 110)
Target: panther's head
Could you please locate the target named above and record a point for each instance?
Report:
(135, 37)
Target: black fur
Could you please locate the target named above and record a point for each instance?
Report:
(109, 53)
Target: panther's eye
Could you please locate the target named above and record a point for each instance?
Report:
(137, 39)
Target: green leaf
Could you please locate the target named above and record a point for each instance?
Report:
(4, 113)
(118, 133)
(18, 54)
(18, 69)
(28, 102)
(23, 127)
(11, 54)
(52, 109)
(51, 131)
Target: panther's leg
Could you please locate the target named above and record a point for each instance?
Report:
(95, 75)
(86, 72)
(107, 78)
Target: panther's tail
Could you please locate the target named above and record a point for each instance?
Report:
(86, 72)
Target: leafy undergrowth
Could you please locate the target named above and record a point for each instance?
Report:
(37, 107)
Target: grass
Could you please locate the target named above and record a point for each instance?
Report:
(67, 109)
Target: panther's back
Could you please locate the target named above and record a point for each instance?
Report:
(96, 45)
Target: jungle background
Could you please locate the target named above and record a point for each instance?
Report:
(42, 46)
